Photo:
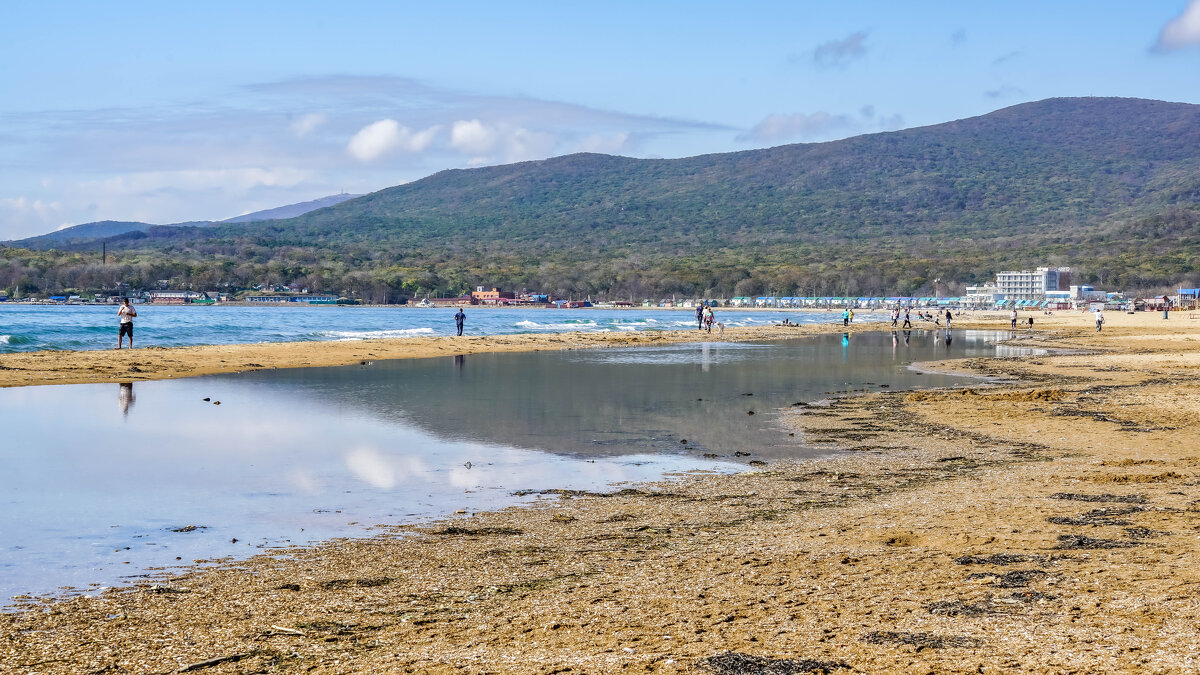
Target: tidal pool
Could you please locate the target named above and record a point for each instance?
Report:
(105, 482)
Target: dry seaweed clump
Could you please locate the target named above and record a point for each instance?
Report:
(922, 640)
(736, 663)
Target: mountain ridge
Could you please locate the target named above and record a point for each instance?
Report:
(1108, 185)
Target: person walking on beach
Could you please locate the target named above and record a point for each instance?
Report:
(1166, 307)
(1099, 320)
(895, 316)
(949, 316)
(708, 318)
(126, 313)
(1013, 316)
(907, 322)
(459, 318)
(851, 316)
(700, 316)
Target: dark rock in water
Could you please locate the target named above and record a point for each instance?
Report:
(739, 453)
(736, 663)
(189, 528)
(749, 412)
(747, 394)
(216, 403)
(206, 398)
(757, 462)
(683, 441)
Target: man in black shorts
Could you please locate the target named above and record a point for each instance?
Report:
(126, 312)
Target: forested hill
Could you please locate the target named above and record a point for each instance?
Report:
(1064, 164)
(1109, 186)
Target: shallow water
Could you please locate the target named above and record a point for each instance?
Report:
(99, 476)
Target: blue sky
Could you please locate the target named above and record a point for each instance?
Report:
(166, 112)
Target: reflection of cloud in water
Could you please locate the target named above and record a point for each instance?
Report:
(370, 467)
(305, 481)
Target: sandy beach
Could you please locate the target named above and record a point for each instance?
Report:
(1046, 520)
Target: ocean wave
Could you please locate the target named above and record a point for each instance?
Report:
(373, 334)
(578, 324)
(15, 340)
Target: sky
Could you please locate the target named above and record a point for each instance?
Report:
(167, 112)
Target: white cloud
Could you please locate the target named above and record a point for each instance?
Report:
(473, 137)
(799, 126)
(21, 216)
(306, 124)
(388, 135)
(1182, 31)
(610, 144)
(820, 125)
(484, 143)
(240, 180)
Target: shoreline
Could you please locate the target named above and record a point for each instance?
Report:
(1042, 523)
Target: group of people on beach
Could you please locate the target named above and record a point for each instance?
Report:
(705, 320)
(936, 318)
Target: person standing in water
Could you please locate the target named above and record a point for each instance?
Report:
(126, 314)
(459, 318)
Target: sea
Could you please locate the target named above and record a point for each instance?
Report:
(75, 327)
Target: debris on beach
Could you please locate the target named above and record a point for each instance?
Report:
(736, 663)
(922, 640)
(1075, 541)
(1124, 499)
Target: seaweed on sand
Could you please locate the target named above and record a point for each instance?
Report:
(736, 663)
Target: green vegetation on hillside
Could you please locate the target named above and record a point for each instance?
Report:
(1109, 186)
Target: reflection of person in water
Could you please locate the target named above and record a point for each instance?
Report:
(948, 338)
(460, 360)
(125, 397)
(907, 334)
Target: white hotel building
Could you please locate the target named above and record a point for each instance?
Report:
(1026, 285)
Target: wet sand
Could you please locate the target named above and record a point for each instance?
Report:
(1047, 522)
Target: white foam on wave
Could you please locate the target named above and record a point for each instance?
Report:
(6, 339)
(342, 335)
(533, 325)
